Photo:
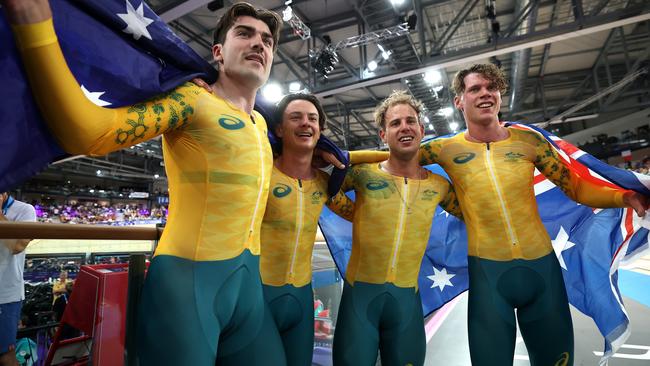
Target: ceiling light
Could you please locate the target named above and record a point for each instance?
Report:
(272, 92)
(287, 14)
(426, 119)
(447, 111)
(372, 65)
(453, 126)
(98, 172)
(432, 77)
(385, 55)
(294, 87)
(397, 2)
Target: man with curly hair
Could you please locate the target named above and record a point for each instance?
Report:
(512, 264)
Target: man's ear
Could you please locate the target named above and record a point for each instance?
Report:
(382, 134)
(279, 131)
(217, 54)
(458, 103)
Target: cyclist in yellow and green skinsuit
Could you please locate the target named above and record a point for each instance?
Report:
(511, 261)
(296, 198)
(395, 202)
(202, 301)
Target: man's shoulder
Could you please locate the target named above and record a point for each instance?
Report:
(356, 168)
(441, 141)
(528, 135)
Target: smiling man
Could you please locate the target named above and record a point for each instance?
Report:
(298, 192)
(395, 202)
(202, 301)
(511, 261)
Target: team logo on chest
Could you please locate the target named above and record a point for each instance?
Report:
(375, 185)
(281, 190)
(316, 197)
(463, 158)
(231, 122)
(428, 194)
(513, 157)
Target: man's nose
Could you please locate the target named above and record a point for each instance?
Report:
(257, 41)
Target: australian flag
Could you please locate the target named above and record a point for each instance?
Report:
(590, 244)
(120, 53)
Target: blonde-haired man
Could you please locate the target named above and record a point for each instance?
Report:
(396, 199)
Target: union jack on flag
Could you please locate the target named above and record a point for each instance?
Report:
(590, 244)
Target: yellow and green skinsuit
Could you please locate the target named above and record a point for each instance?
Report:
(511, 261)
(381, 308)
(204, 277)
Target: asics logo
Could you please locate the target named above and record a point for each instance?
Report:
(563, 360)
(375, 185)
(231, 122)
(281, 190)
(463, 158)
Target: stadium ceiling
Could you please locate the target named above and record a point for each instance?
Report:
(564, 58)
(556, 54)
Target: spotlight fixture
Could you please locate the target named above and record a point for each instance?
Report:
(372, 65)
(294, 87)
(298, 26)
(411, 20)
(324, 61)
(432, 76)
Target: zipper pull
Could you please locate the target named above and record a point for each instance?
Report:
(300, 182)
(488, 145)
(406, 180)
(252, 119)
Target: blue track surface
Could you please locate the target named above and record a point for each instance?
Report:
(635, 285)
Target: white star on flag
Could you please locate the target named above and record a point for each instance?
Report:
(441, 278)
(443, 212)
(560, 244)
(136, 22)
(95, 97)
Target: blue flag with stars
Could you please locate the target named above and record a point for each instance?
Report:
(590, 244)
(119, 51)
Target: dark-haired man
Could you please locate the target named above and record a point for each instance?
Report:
(296, 198)
(202, 301)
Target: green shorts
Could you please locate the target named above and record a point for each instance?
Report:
(292, 309)
(206, 312)
(383, 318)
(536, 289)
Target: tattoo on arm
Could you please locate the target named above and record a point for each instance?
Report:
(170, 106)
